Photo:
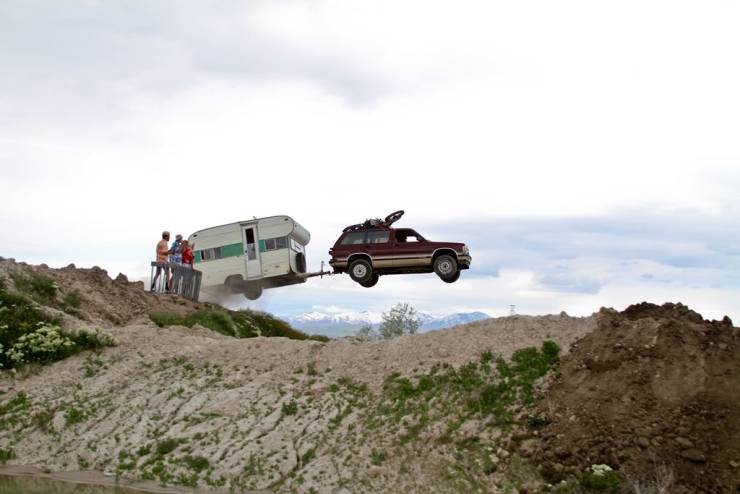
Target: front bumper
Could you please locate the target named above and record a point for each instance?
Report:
(464, 261)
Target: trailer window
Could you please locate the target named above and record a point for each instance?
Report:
(276, 243)
(211, 254)
(354, 238)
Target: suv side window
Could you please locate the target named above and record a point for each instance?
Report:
(378, 237)
(354, 238)
(407, 236)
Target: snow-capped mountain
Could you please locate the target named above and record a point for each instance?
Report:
(337, 322)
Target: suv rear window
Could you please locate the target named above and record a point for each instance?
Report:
(378, 237)
(354, 238)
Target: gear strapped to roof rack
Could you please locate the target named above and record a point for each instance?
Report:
(377, 222)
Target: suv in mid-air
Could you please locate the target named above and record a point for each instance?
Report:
(371, 249)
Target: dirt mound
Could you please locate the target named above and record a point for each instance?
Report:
(653, 391)
(100, 299)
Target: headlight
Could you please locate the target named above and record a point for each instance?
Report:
(466, 251)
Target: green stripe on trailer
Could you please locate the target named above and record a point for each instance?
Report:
(213, 254)
(232, 250)
(263, 247)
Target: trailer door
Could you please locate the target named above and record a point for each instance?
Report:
(250, 241)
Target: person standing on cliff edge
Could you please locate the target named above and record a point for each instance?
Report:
(163, 250)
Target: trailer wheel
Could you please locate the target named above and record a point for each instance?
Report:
(235, 283)
(300, 262)
(453, 278)
(446, 267)
(253, 292)
(360, 270)
(372, 282)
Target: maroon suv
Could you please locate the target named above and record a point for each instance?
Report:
(371, 249)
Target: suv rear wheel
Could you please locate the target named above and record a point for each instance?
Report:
(372, 282)
(360, 270)
(453, 279)
(446, 267)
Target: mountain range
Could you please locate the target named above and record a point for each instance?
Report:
(346, 322)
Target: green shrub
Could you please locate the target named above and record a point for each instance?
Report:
(39, 287)
(28, 334)
(5, 455)
(290, 408)
(48, 343)
(197, 463)
(72, 302)
(167, 446)
(73, 416)
(600, 477)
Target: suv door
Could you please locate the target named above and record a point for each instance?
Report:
(410, 249)
(379, 246)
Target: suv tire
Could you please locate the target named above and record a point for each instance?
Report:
(372, 282)
(446, 267)
(453, 278)
(360, 270)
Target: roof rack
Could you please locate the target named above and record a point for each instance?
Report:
(376, 222)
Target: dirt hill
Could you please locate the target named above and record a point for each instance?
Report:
(446, 411)
(654, 391)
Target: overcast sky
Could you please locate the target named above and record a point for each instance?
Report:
(588, 152)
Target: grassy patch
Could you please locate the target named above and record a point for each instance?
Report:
(239, 324)
(476, 389)
(377, 457)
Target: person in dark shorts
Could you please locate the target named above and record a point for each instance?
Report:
(163, 251)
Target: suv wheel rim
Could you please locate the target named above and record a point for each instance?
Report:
(360, 271)
(445, 267)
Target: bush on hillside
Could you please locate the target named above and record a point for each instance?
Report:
(239, 324)
(28, 334)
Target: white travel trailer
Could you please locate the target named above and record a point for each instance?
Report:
(249, 256)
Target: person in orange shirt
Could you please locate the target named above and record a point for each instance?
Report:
(163, 251)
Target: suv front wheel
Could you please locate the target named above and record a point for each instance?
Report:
(361, 271)
(446, 268)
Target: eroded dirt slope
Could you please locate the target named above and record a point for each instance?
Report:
(193, 407)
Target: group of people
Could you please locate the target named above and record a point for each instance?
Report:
(180, 252)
